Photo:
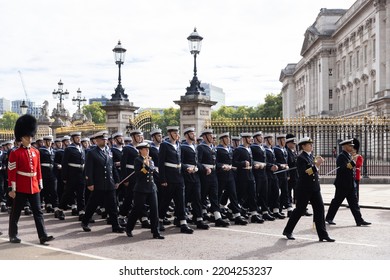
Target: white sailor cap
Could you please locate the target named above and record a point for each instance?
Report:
(235, 138)
(127, 139)
(143, 145)
(117, 134)
(278, 136)
(347, 142)
(206, 131)
(39, 139)
(85, 139)
(76, 133)
(188, 129)
(258, 133)
(155, 131)
(7, 142)
(226, 134)
(268, 136)
(305, 140)
(48, 137)
(199, 138)
(172, 128)
(245, 134)
(135, 131)
(102, 134)
(58, 140)
(293, 139)
(66, 137)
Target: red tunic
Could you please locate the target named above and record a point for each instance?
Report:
(359, 163)
(24, 170)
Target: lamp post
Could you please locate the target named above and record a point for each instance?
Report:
(23, 107)
(119, 54)
(78, 100)
(60, 93)
(195, 44)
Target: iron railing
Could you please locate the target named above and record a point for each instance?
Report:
(327, 133)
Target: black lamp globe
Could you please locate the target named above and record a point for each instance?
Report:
(119, 54)
(195, 44)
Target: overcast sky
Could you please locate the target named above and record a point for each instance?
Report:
(246, 44)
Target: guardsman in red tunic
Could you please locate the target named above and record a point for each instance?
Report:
(25, 179)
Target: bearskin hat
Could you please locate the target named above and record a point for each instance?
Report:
(25, 125)
(356, 144)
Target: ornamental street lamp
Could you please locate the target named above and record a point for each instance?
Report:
(79, 101)
(195, 44)
(23, 107)
(60, 93)
(119, 54)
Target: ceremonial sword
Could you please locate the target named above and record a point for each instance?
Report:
(284, 170)
(332, 171)
(131, 174)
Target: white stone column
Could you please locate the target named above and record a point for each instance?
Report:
(387, 47)
(308, 93)
(380, 44)
(323, 92)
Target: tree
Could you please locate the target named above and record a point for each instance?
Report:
(96, 111)
(8, 120)
(272, 108)
(170, 117)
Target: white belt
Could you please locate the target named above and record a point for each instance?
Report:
(47, 165)
(209, 166)
(194, 167)
(174, 165)
(27, 174)
(76, 165)
(129, 166)
(247, 167)
(258, 162)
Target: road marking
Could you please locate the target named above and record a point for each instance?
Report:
(61, 250)
(299, 238)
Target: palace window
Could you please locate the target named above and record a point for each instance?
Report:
(357, 59)
(344, 67)
(350, 63)
(365, 54)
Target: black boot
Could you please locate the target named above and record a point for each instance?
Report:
(240, 221)
(221, 223)
(59, 214)
(256, 219)
(186, 229)
(202, 225)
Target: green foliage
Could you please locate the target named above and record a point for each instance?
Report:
(8, 120)
(170, 117)
(272, 108)
(97, 112)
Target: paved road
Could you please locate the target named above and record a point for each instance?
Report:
(252, 242)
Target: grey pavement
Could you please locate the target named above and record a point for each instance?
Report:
(251, 242)
(371, 195)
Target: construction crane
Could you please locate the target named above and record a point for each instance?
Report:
(24, 106)
(24, 86)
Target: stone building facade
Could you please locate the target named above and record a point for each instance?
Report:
(345, 65)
